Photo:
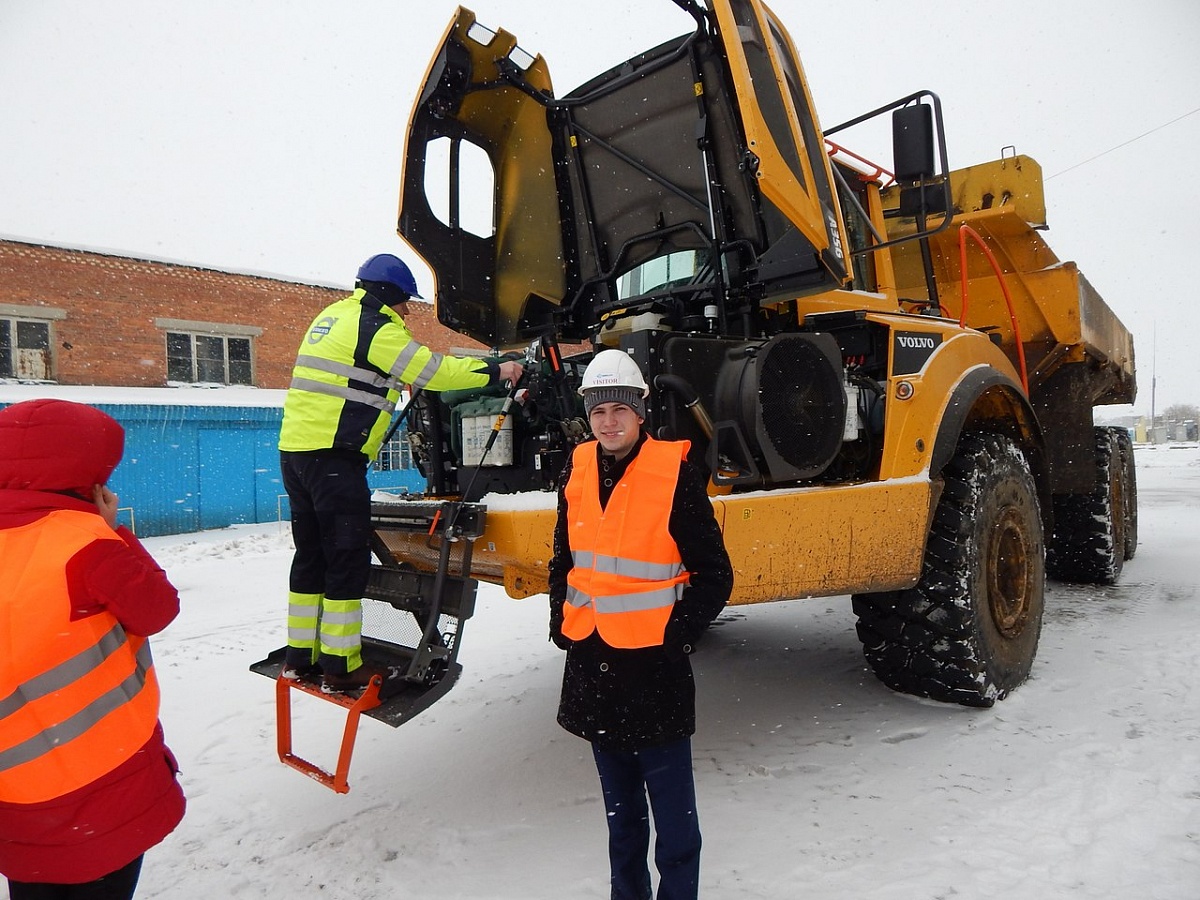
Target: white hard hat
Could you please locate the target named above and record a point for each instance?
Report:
(611, 369)
(613, 377)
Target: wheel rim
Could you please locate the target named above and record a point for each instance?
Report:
(1009, 576)
(1117, 489)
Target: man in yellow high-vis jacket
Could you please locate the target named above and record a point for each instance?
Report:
(351, 364)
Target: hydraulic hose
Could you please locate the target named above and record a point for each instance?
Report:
(690, 399)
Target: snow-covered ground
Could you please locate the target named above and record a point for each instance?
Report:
(814, 780)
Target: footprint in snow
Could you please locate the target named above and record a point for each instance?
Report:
(902, 736)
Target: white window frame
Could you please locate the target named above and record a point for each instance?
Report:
(220, 331)
(38, 315)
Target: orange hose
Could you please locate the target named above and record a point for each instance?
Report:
(963, 232)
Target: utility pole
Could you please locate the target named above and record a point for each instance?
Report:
(1153, 375)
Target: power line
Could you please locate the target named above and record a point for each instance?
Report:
(1125, 144)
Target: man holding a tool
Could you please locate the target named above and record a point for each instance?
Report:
(352, 361)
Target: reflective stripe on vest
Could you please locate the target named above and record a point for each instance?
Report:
(626, 570)
(343, 393)
(77, 698)
(61, 732)
(355, 373)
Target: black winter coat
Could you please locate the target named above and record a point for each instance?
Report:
(629, 699)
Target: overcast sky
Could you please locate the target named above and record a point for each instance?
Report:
(265, 136)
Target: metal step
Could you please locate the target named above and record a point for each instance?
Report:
(399, 701)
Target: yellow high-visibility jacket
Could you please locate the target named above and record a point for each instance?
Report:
(351, 364)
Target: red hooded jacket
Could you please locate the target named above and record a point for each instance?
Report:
(52, 453)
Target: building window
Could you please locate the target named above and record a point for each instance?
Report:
(209, 353)
(208, 359)
(395, 454)
(25, 349)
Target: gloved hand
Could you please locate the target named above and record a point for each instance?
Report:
(561, 641)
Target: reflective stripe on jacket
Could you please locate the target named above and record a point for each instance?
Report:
(77, 698)
(626, 570)
(346, 381)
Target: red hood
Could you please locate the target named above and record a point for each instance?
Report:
(57, 445)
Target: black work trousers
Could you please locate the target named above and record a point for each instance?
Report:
(331, 528)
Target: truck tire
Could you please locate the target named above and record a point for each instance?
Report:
(968, 632)
(1090, 539)
(1130, 506)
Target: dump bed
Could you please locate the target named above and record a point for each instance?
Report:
(1061, 319)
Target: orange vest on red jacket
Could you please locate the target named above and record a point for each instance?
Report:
(627, 572)
(77, 698)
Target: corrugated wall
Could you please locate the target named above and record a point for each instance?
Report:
(191, 468)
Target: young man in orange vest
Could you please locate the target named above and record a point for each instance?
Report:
(639, 571)
(86, 783)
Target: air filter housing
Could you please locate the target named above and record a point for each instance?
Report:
(789, 399)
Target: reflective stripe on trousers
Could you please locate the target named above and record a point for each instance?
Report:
(332, 626)
(341, 631)
(304, 611)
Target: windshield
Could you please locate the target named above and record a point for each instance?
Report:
(665, 271)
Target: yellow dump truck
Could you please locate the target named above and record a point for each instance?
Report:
(887, 373)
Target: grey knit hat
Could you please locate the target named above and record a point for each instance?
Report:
(631, 397)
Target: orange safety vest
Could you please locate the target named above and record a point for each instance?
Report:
(77, 698)
(627, 572)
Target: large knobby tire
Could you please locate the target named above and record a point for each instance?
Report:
(1090, 540)
(968, 632)
(1125, 445)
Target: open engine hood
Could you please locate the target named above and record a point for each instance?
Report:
(706, 144)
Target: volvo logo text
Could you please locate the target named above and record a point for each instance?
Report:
(911, 350)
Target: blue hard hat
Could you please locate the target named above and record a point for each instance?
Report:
(389, 269)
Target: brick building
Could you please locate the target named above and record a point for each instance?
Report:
(74, 317)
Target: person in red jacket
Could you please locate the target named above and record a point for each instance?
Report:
(87, 783)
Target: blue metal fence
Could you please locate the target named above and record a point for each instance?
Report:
(191, 468)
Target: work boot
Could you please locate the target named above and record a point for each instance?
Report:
(298, 672)
(358, 679)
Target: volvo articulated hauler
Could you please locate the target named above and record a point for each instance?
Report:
(887, 373)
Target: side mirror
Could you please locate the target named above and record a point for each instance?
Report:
(912, 142)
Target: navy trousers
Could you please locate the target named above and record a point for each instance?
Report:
(665, 774)
(331, 528)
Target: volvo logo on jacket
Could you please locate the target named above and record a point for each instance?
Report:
(627, 572)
